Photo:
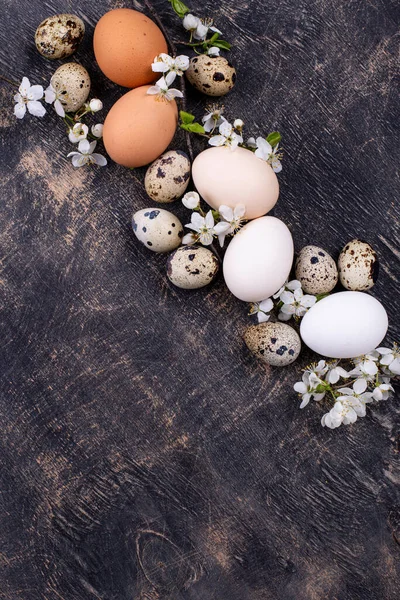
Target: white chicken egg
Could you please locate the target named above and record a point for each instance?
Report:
(258, 259)
(344, 325)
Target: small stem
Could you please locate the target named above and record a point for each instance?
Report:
(191, 44)
(9, 81)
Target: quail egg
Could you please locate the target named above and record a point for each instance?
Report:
(276, 344)
(157, 229)
(168, 177)
(316, 270)
(72, 82)
(59, 36)
(358, 266)
(213, 76)
(192, 267)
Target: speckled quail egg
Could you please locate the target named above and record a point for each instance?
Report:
(358, 266)
(213, 76)
(316, 270)
(192, 267)
(59, 36)
(72, 82)
(168, 177)
(276, 344)
(157, 229)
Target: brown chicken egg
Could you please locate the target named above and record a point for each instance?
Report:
(139, 127)
(125, 44)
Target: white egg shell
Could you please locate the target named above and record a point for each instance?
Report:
(258, 260)
(157, 229)
(231, 177)
(344, 325)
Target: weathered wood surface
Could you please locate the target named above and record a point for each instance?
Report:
(145, 454)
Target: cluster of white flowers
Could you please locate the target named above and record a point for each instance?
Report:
(170, 68)
(199, 29)
(231, 135)
(370, 381)
(28, 99)
(290, 300)
(204, 226)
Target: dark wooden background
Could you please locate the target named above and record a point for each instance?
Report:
(145, 454)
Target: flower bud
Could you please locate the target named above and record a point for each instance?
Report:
(97, 130)
(190, 22)
(95, 105)
(191, 200)
(238, 124)
(213, 51)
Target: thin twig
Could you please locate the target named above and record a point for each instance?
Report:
(9, 81)
(182, 83)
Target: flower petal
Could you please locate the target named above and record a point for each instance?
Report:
(36, 108)
(59, 108)
(36, 92)
(359, 386)
(217, 140)
(99, 159)
(20, 110)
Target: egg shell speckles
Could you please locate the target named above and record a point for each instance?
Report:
(168, 177)
(157, 229)
(59, 36)
(276, 344)
(358, 266)
(192, 267)
(316, 270)
(73, 82)
(213, 76)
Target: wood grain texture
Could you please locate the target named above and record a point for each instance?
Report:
(145, 454)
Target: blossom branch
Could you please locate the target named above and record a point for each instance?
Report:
(182, 83)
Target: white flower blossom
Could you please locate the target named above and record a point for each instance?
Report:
(390, 359)
(295, 303)
(51, 96)
(238, 124)
(266, 152)
(86, 155)
(97, 130)
(344, 411)
(213, 119)
(307, 388)
(227, 137)
(234, 219)
(289, 285)
(190, 22)
(335, 372)
(162, 90)
(381, 392)
(191, 200)
(28, 98)
(95, 105)
(365, 372)
(205, 227)
(261, 309)
(213, 51)
(164, 63)
(78, 132)
(200, 33)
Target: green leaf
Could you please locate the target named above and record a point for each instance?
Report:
(186, 117)
(222, 44)
(180, 8)
(274, 138)
(213, 38)
(193, 127)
